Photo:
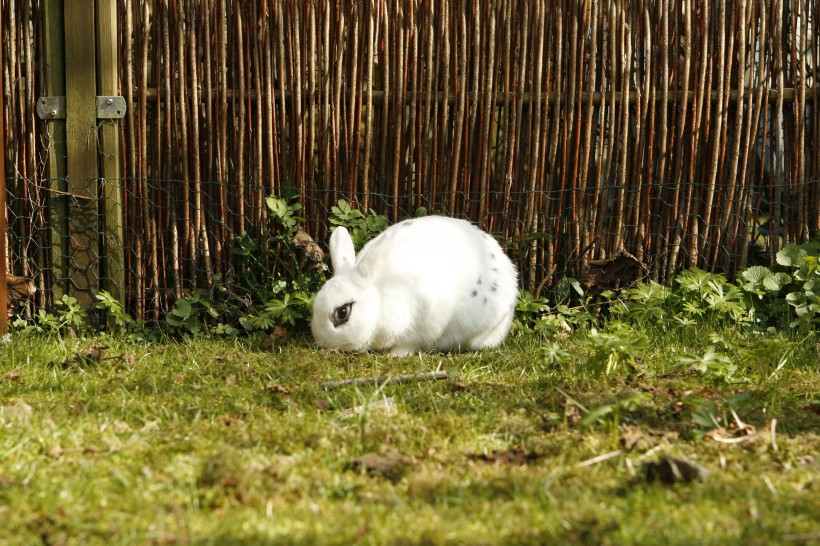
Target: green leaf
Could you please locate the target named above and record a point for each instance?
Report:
(756, 274)
(755, 277)
(342, 207)
(278, 207)
(173, 320)
(775, 282)
(791, 256)
(246, 323)
(537, 236)
(595, 415)
(182, 308)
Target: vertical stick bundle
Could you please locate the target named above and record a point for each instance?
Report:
(682, 133)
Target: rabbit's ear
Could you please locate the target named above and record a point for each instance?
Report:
(342, 253)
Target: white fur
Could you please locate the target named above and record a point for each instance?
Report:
(432, 283)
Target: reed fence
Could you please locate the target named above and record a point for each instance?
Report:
(685, 133)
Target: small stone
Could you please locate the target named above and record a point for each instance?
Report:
(674, 470)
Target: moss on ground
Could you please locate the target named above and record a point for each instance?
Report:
(230, 442)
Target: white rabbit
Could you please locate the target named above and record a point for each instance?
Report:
(431, 283)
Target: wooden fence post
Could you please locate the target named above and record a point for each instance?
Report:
(84, 152)
(114, 223)
(81, 144)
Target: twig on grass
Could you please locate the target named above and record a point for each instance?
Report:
(774, 441)
(802, 537)
(599, 458)
(386, 378)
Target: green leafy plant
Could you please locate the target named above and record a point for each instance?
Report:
(647, 303)
(805, 299)
(187, 315)
(787, 295)
(710, 296)
(609, 415)
(225, 330)
(614, 349)
(362, 226)
(271, 287)
(285, 211)
(772, 354)
(614, 412)
(534, 312)
(68, 314)
(117, 316)
(711, 362)
(290, 304)
(718, 410)
(555, 353)
(529, 309)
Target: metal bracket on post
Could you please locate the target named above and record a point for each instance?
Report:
(112, 107)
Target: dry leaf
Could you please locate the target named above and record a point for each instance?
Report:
(279, 336)
(55, 452)
(127, 360)
(805, 460)
(5, 481)
(311, 254)
(121, 427)
(277, 389)
(77, 407)
(634, 437)
(10, 376)
(250, 371)
(281, 332)
(511, 456)
(391, 465)
(572, 414)
(363, 529)
(732, 434)
(385, 406)
(96, 353)
(458, 385)
(19, 411)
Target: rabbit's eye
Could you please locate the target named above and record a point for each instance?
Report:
(341, 314)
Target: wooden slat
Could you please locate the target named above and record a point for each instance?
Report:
(56, 165)
(4, 300)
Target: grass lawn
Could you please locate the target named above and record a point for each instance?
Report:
(233, 442)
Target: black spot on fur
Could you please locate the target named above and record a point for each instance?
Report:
(492, 256)
(494, 270)
(494, 287)
(407, 223)
(485, 301)
(479, 280)
(474, 293)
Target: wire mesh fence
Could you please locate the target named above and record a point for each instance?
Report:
(686, 134)
(166, 256)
